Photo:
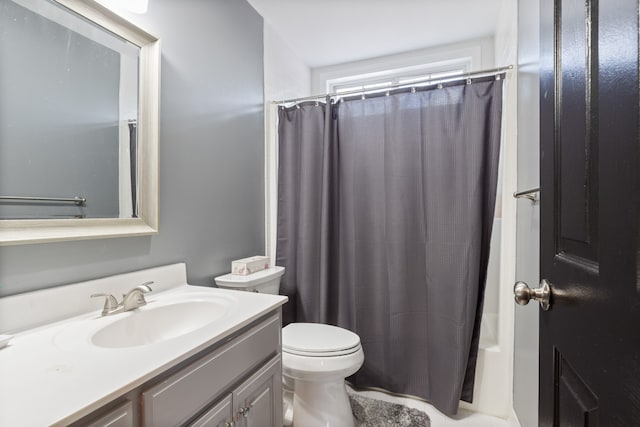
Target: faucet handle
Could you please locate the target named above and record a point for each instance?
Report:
(110, 302)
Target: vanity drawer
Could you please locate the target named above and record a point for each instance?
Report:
(176, 399)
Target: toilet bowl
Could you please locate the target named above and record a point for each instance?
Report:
(316, 359)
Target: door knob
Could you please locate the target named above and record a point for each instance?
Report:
(523, 294)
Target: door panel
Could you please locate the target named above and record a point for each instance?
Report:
(589, 345)
(576, 144)
(576, 400)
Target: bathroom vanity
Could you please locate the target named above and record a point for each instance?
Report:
(191, 356)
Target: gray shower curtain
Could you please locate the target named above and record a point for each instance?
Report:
(385, 209)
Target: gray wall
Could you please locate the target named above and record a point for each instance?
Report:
(58, 117)
(211, 156)
(525, 378)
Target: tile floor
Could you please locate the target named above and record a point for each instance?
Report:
(464, 418)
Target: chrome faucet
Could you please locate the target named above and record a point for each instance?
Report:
(130, 301)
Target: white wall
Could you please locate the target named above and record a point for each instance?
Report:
(525, 380)
(286, 76)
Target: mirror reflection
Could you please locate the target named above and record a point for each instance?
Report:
(68, 115)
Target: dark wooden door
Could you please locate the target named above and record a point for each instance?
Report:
(590, 338)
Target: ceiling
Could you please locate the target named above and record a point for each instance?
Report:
(328, 32)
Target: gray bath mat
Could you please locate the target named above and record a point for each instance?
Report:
(378, 413)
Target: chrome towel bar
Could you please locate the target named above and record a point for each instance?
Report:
(79, 201)
(528, 194)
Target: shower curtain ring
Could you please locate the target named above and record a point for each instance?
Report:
(468, 80)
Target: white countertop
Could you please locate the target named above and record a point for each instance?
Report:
(46, 381)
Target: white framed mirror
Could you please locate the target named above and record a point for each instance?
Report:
(79, 141)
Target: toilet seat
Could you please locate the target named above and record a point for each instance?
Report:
(318, 340)
(322, 354)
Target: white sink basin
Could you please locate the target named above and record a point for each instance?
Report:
(158, 321)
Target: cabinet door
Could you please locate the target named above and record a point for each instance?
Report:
(121, 416)
(258, 401)
(221, 415)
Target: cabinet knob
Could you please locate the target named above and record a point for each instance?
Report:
(229, 424)
(244, 410)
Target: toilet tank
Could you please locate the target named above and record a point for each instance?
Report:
(264, 281)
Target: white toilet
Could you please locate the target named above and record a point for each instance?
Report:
(316, 359)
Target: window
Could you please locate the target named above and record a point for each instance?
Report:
(397, 76)
(396, 80)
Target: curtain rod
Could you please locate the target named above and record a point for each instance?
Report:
(481, 73)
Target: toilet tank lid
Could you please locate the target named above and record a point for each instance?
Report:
(317, 338)
(250, 279)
